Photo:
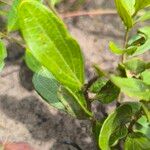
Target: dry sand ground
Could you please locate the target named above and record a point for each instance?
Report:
(26, 117)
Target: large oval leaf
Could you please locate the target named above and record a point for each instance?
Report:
(133, 87)
(51, 44)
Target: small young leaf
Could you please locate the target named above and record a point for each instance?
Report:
(108, 93)
(97, 86)
(136, 40)
(143, 48)
(137, 141)
(12, 22)
(116, 50)
(143, 126)
(144, 17)
(125, 9)
(146, 46)
(3, 54)
(119, 117)
(51, 44)
(135, 65)
(132, 87)
(140, 4)
(146, 76)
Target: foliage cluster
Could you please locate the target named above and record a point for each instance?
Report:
(58, 65)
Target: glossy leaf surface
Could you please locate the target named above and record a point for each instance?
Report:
(51, 44)
(140, 4)
(125, 9)
(132, 87)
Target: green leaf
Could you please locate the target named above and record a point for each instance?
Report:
(3, 54)
(144, 17)
(146, 46)
(96, 126)
(145, 30)
(12, 21)
(143, 126)
(31, 62)
(51, 91)
(137, 141)
(143, 48)
(146, 76)
(140, 4)
(125, 9)
(51, 44)
(136, 40)
(118, 134)
(119, 117)
(135, 65)
(46, 85)
(146, 109)
(108, 93)
(116, 50)
(97, 86)
(133, 87)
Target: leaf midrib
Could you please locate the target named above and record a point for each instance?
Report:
(75, 77)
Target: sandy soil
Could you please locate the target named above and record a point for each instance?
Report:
(25, 116)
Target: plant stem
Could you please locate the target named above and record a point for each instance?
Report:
(125, 44)
(123, 58)
(134, 120)
(85, 91)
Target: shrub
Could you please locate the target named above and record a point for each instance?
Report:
(58, 65)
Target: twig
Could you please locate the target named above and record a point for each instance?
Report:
(85, 91)
(89, 13)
